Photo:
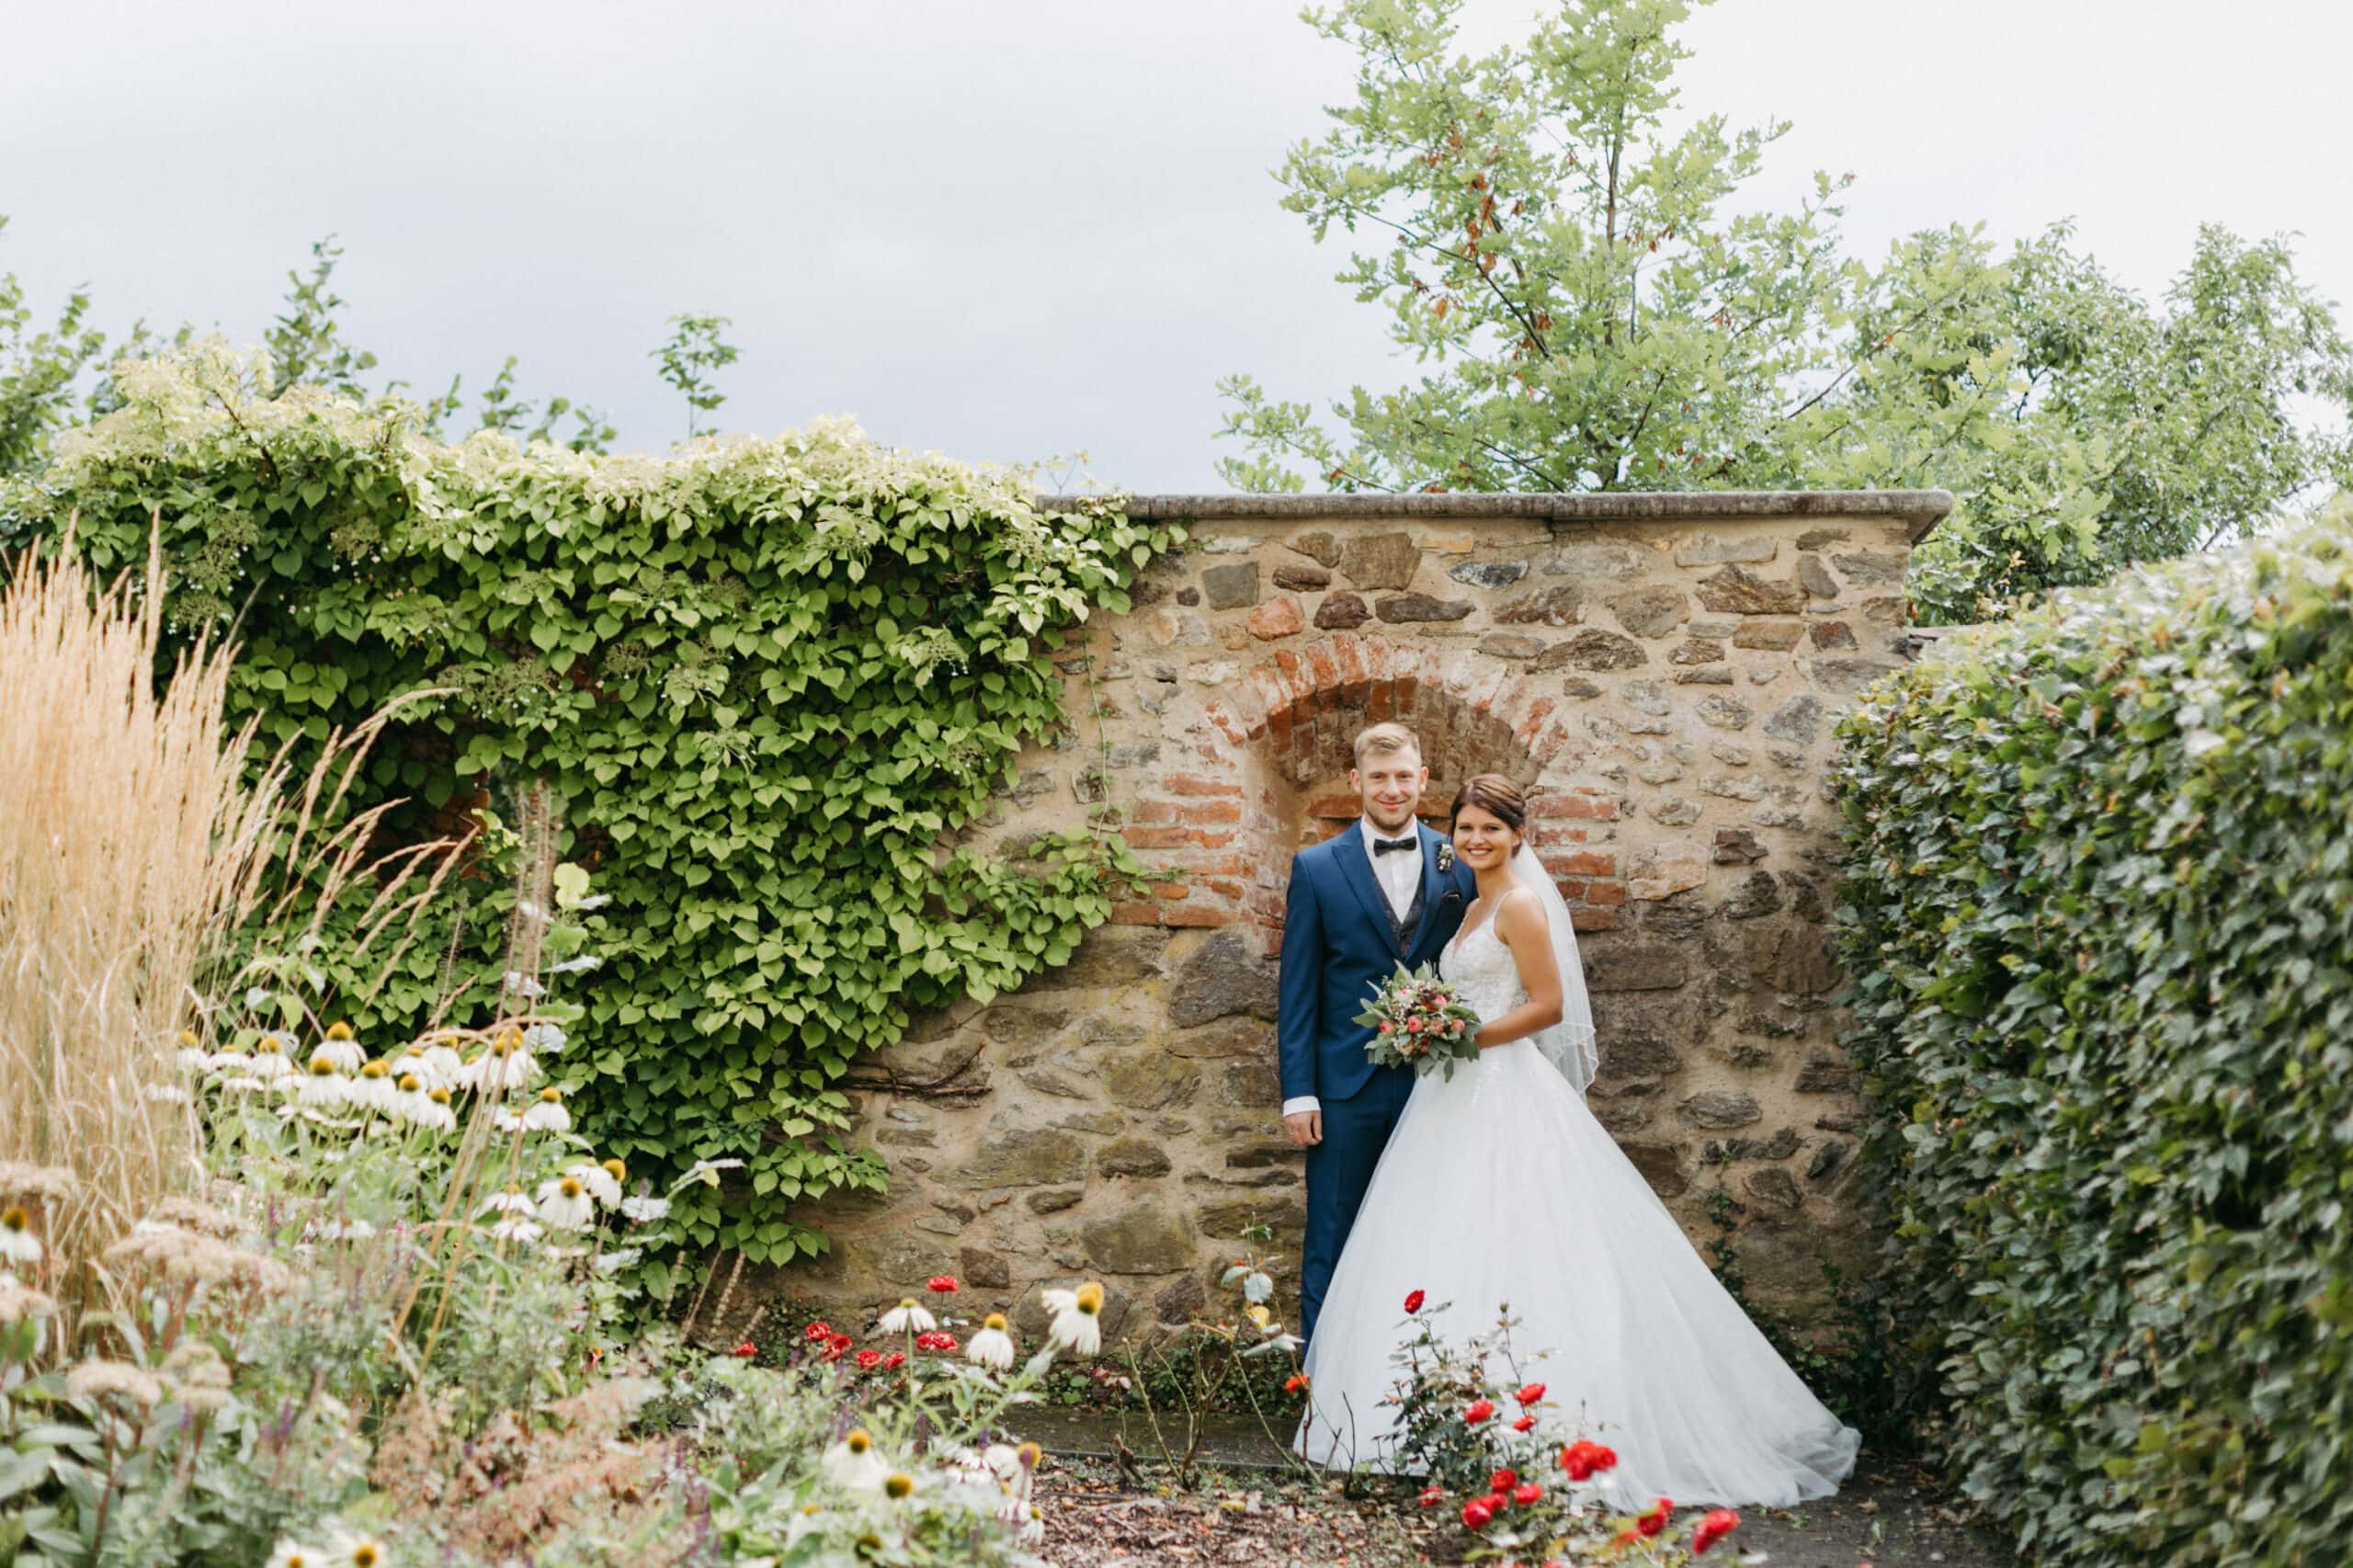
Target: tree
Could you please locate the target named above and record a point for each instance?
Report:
(1593, 317)
(695, 350)
(37, 372)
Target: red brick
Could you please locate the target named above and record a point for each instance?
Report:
(1194, 784)
(1593, 808)
(1605, 892)
(1593, 919)
(1211, 811)
(1155, 811)
(1157, 837)
(1584, 863)
(1135, 915)
(1338, 808)
(1545, 836)
(1224, 889)
(1169, 891)
(1197, 914)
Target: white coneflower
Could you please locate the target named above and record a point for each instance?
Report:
(343, 1230)
(602, 1185)
(322, 1085)
(853, 1463)
(408, 1094)
(546, 1113)
(238, 1083)
(544, 1039)
(193, 1057)
(898, 1486)
(506, 1120)
(564, 1204)
(17, 1243)
(707, 1171)
(374, 1088)
(992, 1347)
(908, 1314)
(645, 1210)
(294, 1554)
(516, 1228)
(435, 1112)
(341, 1049)
(359, 1550)
(618, 1259)
(1077, 1320)
(511, 1201)
(443, 1065)
(269, 1059)
(166, 1094)
(505, 1063)
(1033, 1529)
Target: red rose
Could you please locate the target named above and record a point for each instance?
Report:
(1432, 1496)
(1413, 1026)
(1527, 1492)
(1604, 1457)
(1582, 1459)
(868, 1360)
(1627, 1536)
(817, 1331)
(747, 1350)
(1476, 1514)
(894, 1360)
(945, 1342)
(1387, 1028)
(1295, 1384)
(943, 1284)
(1412, 1303)
(1503, 1481)
(1529, 1394)
(1656, 1520)
(1480, 1410)
(1718, 1524)
(1526, 1423)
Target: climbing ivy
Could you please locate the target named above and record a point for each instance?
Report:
(769, 683)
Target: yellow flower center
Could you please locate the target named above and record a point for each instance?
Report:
(367, 1554)
(510, 1042)
(551, 1094)
(188, 1037)
(15, 1217)
(267, 1043)
(340, 1031)
(900, 1484)
(321, 1067)
(437, 1095)
(995, 1321)
(375, 1069)
(1090, 1297)
(858, 1442)
(905, 1301)
(1030, 1454)
(570, 1187)
(411, 1082)
(618, 1171)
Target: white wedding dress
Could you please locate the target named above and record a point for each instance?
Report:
(1498, 1186)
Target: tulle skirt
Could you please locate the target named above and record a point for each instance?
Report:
(1499, 1187)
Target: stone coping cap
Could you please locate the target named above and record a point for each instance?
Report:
(1922, 510)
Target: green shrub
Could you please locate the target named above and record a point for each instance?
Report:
(2101, 926)
(768, 683)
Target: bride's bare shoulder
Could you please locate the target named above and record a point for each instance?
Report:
(1522, 909)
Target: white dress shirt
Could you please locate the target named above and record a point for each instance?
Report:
(1399, 872)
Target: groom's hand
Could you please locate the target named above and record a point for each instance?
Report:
(1305, 1126)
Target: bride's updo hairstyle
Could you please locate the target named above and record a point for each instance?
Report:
(1495, 795)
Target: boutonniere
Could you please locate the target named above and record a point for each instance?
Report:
(1446, 855)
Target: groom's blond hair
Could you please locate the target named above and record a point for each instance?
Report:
(1383, 739)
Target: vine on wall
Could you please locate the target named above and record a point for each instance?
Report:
(770, 682)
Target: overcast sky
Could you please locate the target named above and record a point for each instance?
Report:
(1020, 228)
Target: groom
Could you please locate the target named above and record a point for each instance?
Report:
(1363, 901)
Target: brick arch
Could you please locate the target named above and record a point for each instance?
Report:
(1266, 773)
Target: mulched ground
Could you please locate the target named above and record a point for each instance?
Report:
(1099, 1517)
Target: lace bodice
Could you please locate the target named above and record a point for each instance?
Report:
(1483, 971)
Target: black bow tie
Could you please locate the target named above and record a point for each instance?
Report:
(1383, 846)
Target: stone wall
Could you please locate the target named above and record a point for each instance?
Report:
(1663, 672)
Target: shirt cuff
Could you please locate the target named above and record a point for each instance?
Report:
(1298, 1103)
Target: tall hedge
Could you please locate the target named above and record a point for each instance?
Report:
(768, 682)
(2101, 874)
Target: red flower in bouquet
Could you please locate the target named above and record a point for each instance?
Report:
(1432, 1496)
(1529, 1394)
(1480, 1410)
(1412, 1303)
(1503, 1481)
(1477, 1514)
(1717, 1524)
(941, 1284)
(1413, 1026)
(1387, 1028)
(1527, 1492)
(1656, 1520)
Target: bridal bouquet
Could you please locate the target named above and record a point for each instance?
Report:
(1418, 1022)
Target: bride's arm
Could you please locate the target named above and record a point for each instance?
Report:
(1519, 923)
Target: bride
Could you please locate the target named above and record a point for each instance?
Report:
(1499, 1187)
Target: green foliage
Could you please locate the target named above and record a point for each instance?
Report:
(2100, 873)
(1602, 306)
(37, 370)
(768, 683)
(693, 352)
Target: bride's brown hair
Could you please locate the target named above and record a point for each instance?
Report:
(1494, 794)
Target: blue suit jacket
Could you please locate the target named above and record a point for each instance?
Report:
(1337, 949)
